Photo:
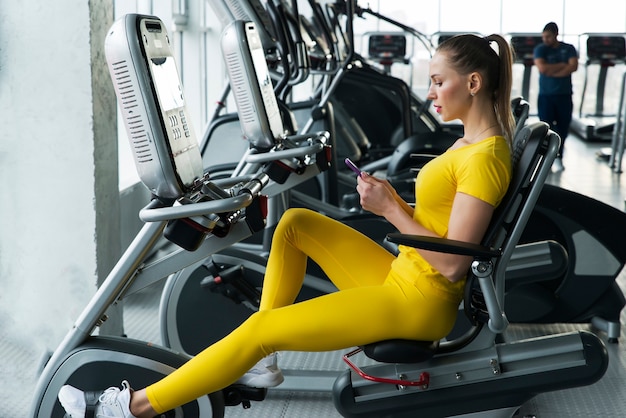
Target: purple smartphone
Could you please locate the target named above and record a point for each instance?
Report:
(352, 166)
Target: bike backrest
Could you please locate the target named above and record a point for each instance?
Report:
(521, 110)
(535, 147)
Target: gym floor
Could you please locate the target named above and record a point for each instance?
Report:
(584, 173)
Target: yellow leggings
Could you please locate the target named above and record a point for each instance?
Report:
(373, 303)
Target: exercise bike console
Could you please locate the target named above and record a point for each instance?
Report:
(259, 114)
(142, 67)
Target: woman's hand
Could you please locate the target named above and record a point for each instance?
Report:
(377, 196)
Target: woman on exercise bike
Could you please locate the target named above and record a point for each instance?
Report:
(412, 296)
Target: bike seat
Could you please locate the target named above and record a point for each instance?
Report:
(401, 351)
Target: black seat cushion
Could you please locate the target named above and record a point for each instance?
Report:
(401, 351)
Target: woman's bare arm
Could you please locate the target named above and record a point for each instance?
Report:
(469, 219)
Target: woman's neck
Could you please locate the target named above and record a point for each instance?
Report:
(481, 131)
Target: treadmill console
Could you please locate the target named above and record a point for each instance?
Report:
(387, 47)
(606, 48)
(524, 47)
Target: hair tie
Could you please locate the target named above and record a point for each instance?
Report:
(495, 49)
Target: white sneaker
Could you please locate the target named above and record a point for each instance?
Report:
(112, 403)
(557, 165)
(264, 374)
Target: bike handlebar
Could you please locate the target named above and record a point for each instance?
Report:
(246, 194)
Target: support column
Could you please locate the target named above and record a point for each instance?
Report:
(106, 186)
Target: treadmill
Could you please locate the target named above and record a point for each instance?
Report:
(387, 48)
(524, 47)
(605, 50)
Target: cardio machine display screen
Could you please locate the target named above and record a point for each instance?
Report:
(166, 83)
(267, 89)
(606, 48)
(260, 67)
(524, 46)
(387, 46)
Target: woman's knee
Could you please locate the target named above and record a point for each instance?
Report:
(297, 219)
(297, 216)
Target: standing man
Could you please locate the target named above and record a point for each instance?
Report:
(556, 61)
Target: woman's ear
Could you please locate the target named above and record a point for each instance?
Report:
(475, 82)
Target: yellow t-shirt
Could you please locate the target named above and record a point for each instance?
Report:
(482, 170)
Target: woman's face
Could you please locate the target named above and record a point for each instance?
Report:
(449, 91)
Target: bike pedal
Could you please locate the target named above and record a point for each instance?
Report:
(240, 394)
(232, 283)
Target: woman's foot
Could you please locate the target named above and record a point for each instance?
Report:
(112, 403)
(264, 374)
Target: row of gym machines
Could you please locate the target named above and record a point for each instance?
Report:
(603, 51)
(206, 222)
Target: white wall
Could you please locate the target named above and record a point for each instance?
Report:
(47, 217)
